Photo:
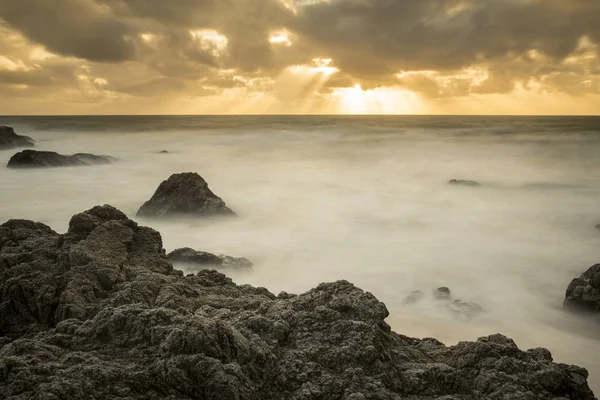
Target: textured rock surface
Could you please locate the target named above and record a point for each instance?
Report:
(9, 139)
(461, 182)
(100, 313)
(584, 292)
(203, 259)
(48, 159)
(181, 195)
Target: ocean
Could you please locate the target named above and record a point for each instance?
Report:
(365, 199)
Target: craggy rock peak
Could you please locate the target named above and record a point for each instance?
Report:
(49, 159)
(181, 195)
(99, 311)
(9, 139)
(583, 294)
(204, 260)
(460, 182)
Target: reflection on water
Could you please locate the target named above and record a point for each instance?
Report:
(362, 199)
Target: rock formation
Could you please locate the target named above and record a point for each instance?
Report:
(204, 260)
(100, 312)
(182, 195)
(10, 140)
(49, 159)
(460, 182)
(584, 292)
(442, 296)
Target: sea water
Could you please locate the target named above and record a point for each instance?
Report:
(365, 199)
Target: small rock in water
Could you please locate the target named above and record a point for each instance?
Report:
(182, 195)
(598, 227)
(583, 294)
(203, 259)
(49, 159)
(442, 293)
(163, 152)
(461, 182)
(465, 309)
(10, 140)
(414, 297)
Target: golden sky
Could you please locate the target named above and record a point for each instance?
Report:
(299, 57)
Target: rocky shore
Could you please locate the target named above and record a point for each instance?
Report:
(100, 311)
(49, 159)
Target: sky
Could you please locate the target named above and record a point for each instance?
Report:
(299, 57)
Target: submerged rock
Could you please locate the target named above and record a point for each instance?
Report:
(99, 311)
(181, 195)
(163, 152)
(583, 293)
(461, 182)
(48, 159)
(443, 296)
(598, 227)
(202, 259)
(10, 140)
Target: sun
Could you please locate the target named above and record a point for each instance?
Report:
(355, 100)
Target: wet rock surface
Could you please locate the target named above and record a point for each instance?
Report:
(185, 194)
(583, 294)
(100, 312)
(50, 159)
(461, 182)
(10, 140)
(203, 259)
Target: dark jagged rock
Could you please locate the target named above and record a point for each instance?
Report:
(460, 182)
(583, 293)
(10, 140)
(99, 312)
(205, 260)
(181, 195)
(49, 159)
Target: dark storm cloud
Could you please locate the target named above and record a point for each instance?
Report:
(77, 28)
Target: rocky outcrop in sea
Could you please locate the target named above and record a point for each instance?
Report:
(184, 195)
(202, 259)
(99, 312)
(10, 140)
(50, 159)
(462, 182)
(583, 294)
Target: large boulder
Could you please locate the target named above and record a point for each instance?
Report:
(48, 159)
(583, 293)
(9, 139)
(185, 194)
(99, 310)
(202, 259)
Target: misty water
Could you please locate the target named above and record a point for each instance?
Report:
(364, 199)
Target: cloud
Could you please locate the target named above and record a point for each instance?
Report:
(439, 49)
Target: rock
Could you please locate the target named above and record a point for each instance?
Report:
(163, 152)
(204, 260)
(461, 182)
(442, 297)
(598, 227)
(583, 294)
(47, 159)
(414, 297)
(10, 140)
(442, 293)
(100, 312)
(181, 195)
